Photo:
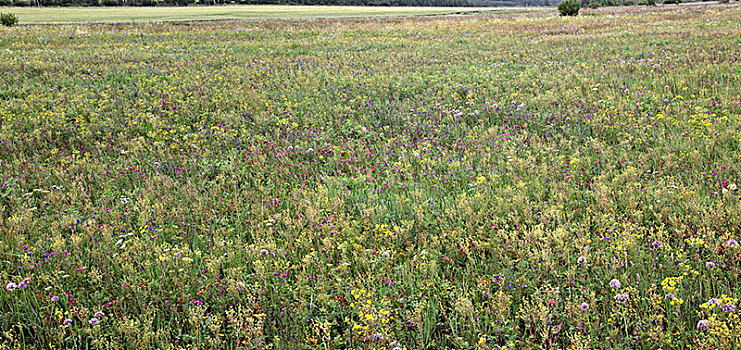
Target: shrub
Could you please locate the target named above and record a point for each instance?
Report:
(8, 19)
(569, 8)
(647, 2)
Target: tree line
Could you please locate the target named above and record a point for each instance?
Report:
(448, 3)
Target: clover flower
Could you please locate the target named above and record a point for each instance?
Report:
(94, 321)
(621, 298)
(54, 299)
(702, 325)
(728, 307)
(584, 306)
(11, 286)
(614, 283)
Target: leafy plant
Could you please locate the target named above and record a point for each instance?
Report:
(8, 19)
(569, 8)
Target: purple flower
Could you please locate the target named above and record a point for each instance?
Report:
(712, 301)
(263, 251)
(621, 298)
(728, 307)
(584, 306)
(702, 325)
(731, 243)
(67, 322)
(94, 321)
(377, 336)
(24, 283)
(581, 260)
(656, 244)
(54, 298)
(709, 265)
(615, 283)
(11, 286)
(99, 314)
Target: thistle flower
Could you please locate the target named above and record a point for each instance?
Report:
(614, 283)
(584, 306)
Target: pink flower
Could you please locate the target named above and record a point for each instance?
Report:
(584, 306)
(615, 283)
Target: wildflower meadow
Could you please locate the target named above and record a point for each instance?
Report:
(490, 181)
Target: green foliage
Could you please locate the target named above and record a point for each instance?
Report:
(647, 2)
(8, 19)
(569, 8)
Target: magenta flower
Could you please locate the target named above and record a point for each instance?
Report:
(54, 298)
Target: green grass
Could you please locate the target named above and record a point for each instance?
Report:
(450, 182)
(33, 15)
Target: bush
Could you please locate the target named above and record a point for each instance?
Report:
(647, 2)
(569, 7)
(8, 19)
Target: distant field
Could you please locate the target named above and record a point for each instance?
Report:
(154, 14)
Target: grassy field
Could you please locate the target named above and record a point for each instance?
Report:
(34, 15)
(515, 181)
